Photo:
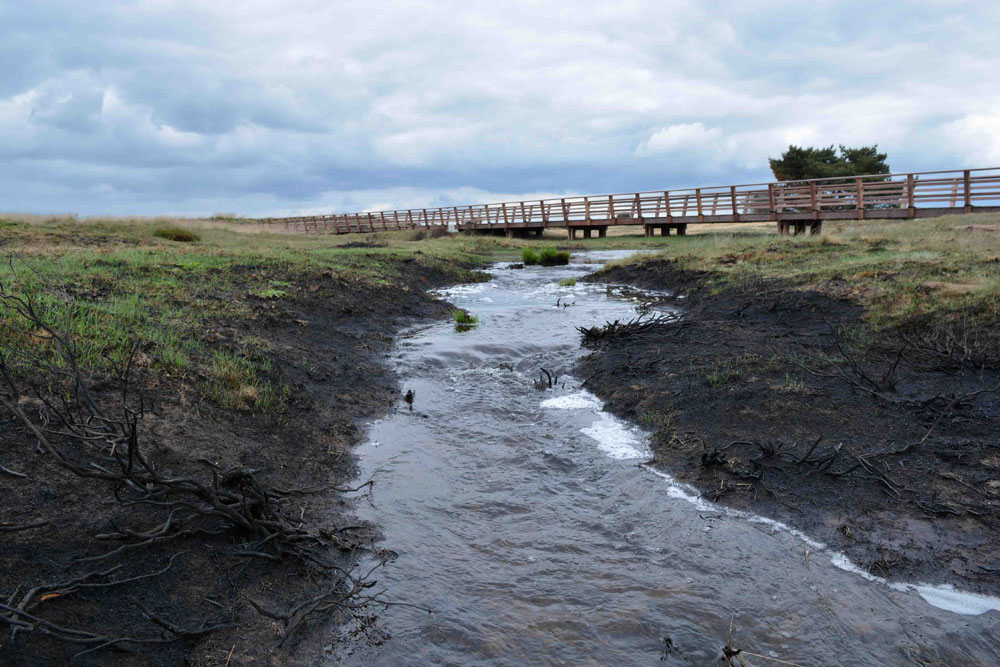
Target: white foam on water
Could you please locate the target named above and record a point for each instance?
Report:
(947, 598)
(582, 400)
(615, 438)
(621, 441)
(944, 597)
(460, 290)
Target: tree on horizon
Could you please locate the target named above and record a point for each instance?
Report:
(800, 163)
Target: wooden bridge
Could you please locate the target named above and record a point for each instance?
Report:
(793, 205)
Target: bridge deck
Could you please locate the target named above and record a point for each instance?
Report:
(789, 203)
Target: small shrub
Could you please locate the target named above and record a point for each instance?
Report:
(438, 232)
(176, 234)
(529, 257)
(417, 235)
(567, 282)
(552, 257)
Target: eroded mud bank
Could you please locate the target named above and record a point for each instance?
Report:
(326, 344)
(760, 398)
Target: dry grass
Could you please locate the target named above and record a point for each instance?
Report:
(897, 269)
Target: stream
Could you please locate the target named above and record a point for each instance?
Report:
(526, 520)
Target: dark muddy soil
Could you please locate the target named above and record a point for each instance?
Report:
(327, 342)
(760, 397)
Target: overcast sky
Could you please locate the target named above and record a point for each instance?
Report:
(299, 106)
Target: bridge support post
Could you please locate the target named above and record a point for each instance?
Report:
(682, 229)
(539, 231)
(647, 230)
(816, 227)
(602, 232)
(510, 233)
(664, 230)
(571, 231)
(782, 227)
(587, 232)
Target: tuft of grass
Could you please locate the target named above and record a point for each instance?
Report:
(567, 282)
(464, 317)
(551, 257)
(547, 256)
(273, 290)
(238, 383)
(176, 234)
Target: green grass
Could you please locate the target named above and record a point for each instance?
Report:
(464, 317)
(567, 282)
(125, 284)
(118, 284)
(547, 256)
(239, 382)
(273, 290)
(550, 256)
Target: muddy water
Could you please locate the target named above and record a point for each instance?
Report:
(526, 520)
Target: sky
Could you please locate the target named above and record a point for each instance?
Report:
(284, 107)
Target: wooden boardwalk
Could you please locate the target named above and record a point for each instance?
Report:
(794, 205)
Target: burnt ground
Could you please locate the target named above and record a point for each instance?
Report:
(762, 397)
(327, 343)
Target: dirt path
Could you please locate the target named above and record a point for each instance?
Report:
(759, 397)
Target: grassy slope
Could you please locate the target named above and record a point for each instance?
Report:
(123, 282)
(896, 270)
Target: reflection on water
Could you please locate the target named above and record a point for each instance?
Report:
(526, 519)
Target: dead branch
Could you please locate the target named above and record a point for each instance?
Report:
(98, 439)
(598, 336)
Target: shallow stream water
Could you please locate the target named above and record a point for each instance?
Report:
(526, 519)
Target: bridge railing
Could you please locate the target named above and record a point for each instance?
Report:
(907, 193)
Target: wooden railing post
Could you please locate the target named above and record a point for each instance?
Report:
(545, 213)
(565, 211)
(909, 196)
(586, 208)
(967, 177)
(611, 207)
(736, 210)
(697, 196)
(638, 206)
(666, 203)
(814, 204)
(770, 199)
(506, 223)
(860, 197)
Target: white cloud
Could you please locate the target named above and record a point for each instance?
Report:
(686, 137)
(978, 137)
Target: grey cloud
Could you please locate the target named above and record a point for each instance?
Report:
(279, 106)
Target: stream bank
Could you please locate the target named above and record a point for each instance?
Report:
(325, 343)
(760, 399)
